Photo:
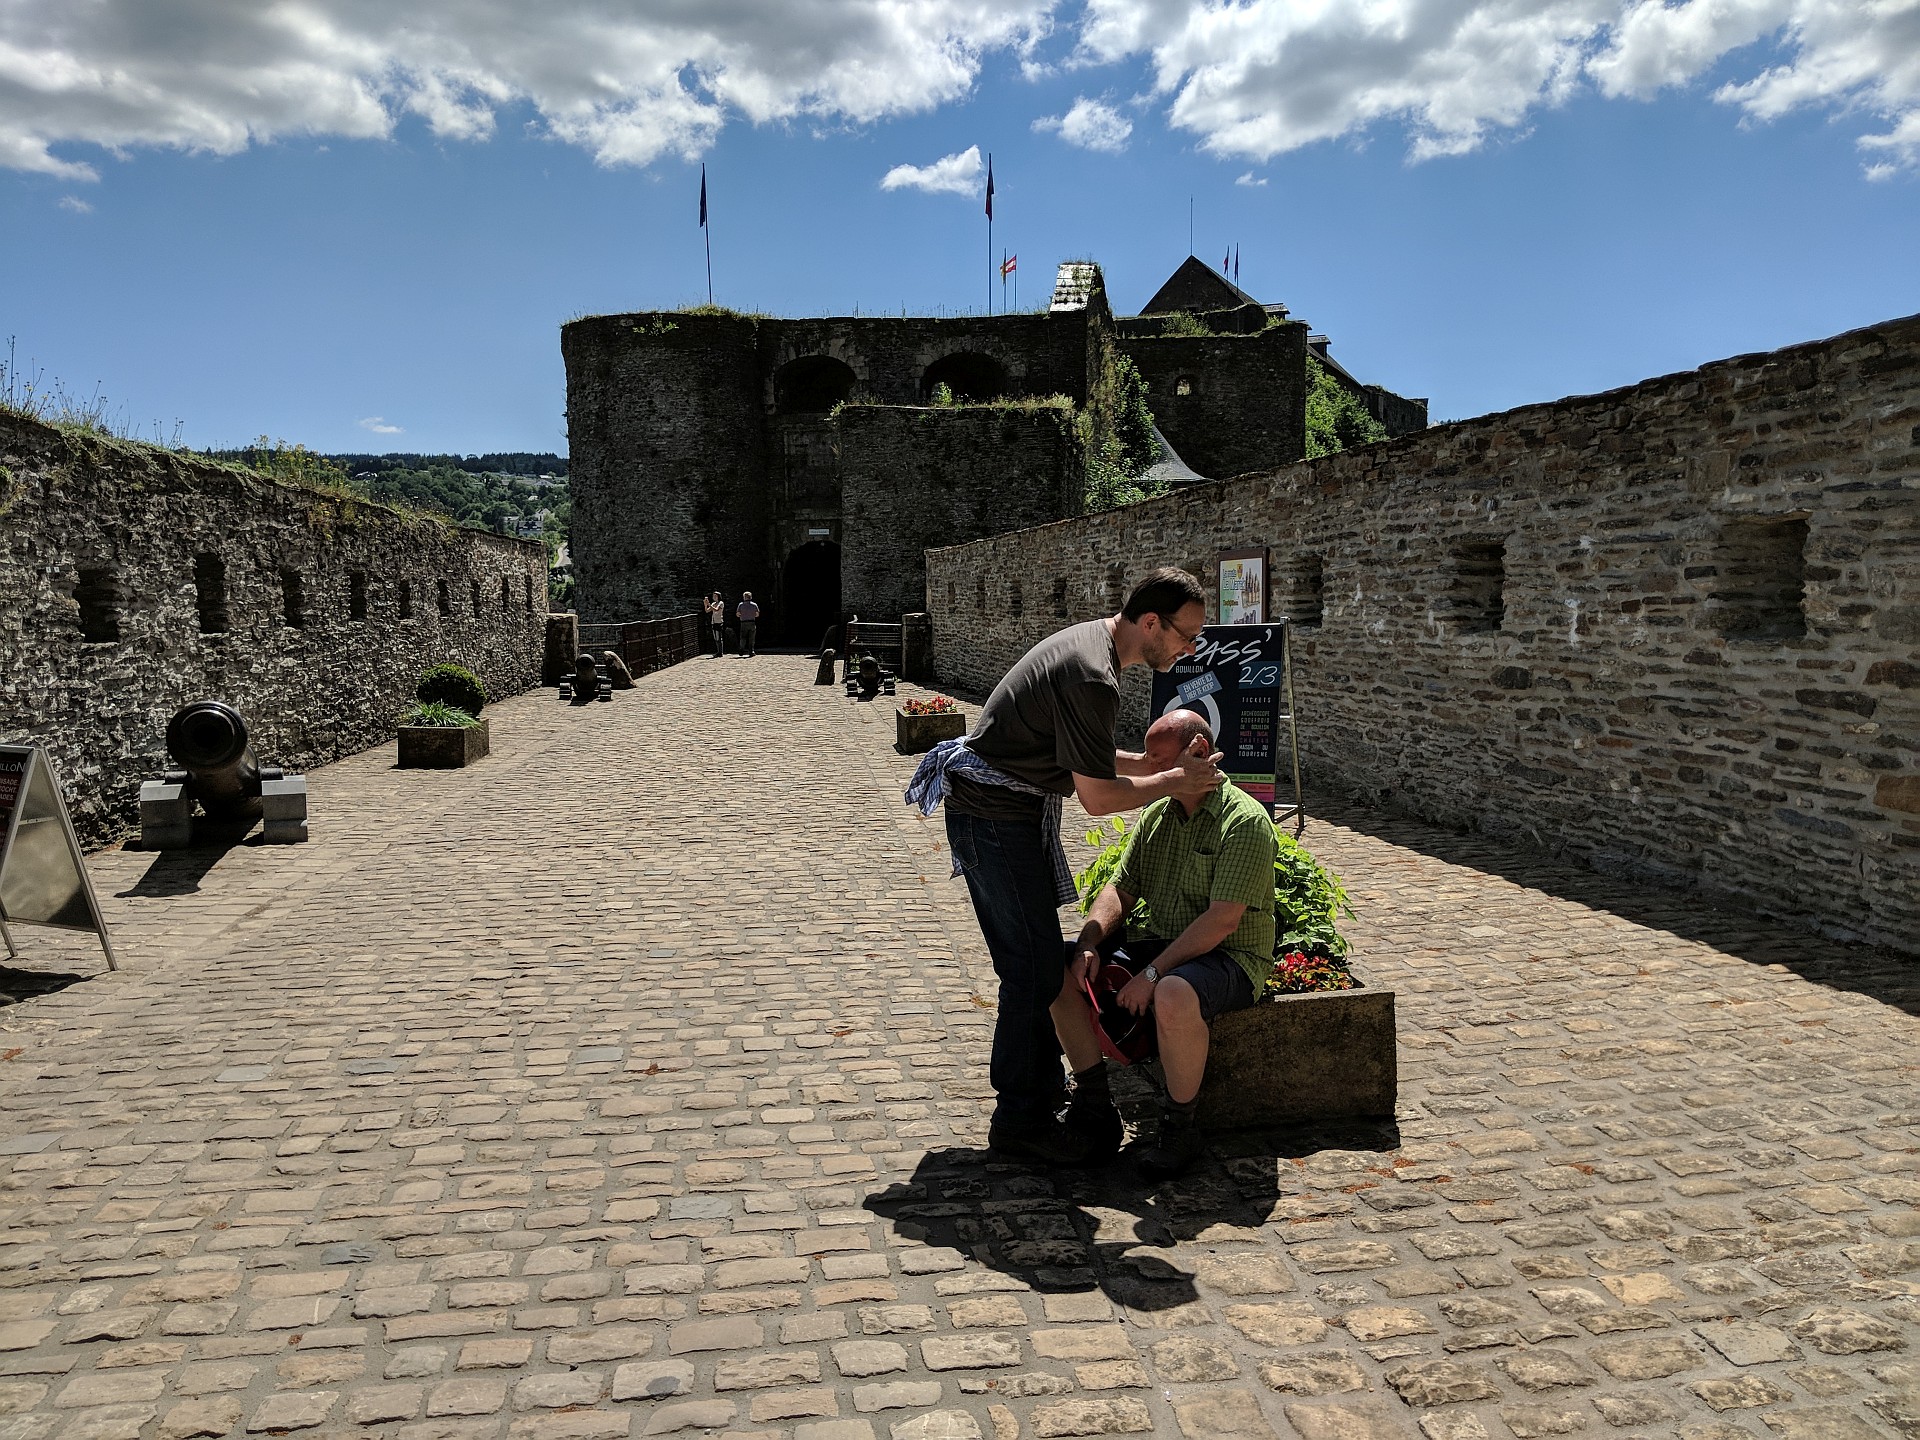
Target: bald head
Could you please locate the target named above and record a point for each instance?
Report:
(1173, 732)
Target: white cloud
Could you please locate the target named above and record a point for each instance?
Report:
(379, 426)
(959, 174)
(1248, 179)
(1090, 124)
(1261, 77)
(75, 204)
(628, 80)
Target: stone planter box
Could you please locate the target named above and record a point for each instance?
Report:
(1322, 1056)
(917, 734)
(441, 747)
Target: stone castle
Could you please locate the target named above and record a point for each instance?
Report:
(805, 460)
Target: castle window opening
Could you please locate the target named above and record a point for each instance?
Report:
(1310, 609)
(403, 596)
(1183, 385)
(443, 593)
(97, 593)
(293, 599)
(968, 375)
(527, 580)
(1762, 565)
(356, 594)
(1477, 595)
(1060, 598)
(980, 594)
(210, 592)
(951, 588)
(476, 599)
(506, 595)
(1015, 606)
(812, 385)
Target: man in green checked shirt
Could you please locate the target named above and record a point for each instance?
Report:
(1205, 870)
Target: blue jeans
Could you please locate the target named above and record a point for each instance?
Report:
(1010, 879)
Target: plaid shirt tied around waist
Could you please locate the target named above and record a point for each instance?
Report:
(929, 787)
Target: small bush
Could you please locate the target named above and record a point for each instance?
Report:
(453, 685)
(439, 715)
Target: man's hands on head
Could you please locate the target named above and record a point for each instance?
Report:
(1197, 771)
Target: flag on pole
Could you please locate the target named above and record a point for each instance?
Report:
(1009, 265)
(703, 197)
(1226, 263)
(989, 187)
(1236, 264)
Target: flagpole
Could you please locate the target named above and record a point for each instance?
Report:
(709, 234)
(989, 232)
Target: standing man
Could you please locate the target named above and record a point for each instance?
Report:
(716, 612)
(748, 614)
(1047, 732)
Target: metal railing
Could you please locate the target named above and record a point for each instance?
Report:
(646, 644)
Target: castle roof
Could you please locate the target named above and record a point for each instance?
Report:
(1196, 287)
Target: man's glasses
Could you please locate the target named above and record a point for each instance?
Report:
(1185, 638)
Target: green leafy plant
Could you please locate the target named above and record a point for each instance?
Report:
(454, 685)
(439, 715)
(1101, 869)
(1184, 324)
(1336, 420)
(943, 394)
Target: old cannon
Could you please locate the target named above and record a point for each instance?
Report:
(216, 767)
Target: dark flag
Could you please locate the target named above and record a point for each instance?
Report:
(1226, 263)
(1236, 264)
(989, 187)
(703, 197)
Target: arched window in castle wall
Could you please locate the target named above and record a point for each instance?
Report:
(968, 375)
(812, 385)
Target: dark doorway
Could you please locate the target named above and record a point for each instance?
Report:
(813, 384)
(967, 375)
(810, 592)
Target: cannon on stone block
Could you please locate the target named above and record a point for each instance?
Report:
(207, 740)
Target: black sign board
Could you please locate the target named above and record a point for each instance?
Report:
(1234, 679)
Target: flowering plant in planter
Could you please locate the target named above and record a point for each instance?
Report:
(1297, 972)
(938, 705)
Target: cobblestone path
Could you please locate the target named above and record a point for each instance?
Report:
(628, 1084)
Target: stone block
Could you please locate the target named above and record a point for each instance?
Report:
(1320, 1056)
(166, 816)
(283, 810)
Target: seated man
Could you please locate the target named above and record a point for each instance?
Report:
(1205, 870)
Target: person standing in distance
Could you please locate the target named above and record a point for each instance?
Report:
(748, 614)
(716, 613)
(1047, 732)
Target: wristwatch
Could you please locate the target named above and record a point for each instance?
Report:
(1151, 975)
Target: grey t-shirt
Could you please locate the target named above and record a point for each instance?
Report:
(1052, 715)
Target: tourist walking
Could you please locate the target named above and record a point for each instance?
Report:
(1047, 731)
(748, 614)
(716, 613)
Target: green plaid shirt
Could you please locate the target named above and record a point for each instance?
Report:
(1179, 864)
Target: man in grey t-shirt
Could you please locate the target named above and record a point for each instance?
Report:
(1049, 727)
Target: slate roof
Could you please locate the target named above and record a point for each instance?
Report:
(1196, 286)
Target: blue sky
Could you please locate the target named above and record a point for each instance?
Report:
(1593, 196)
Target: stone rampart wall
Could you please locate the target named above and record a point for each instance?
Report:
(912, 477)
(1672, 629)
(133, 580)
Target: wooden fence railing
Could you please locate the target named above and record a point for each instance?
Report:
(646, 644)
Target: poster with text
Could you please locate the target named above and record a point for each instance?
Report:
(1243, 587)
(1233, 679)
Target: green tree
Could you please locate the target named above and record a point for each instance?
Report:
(1336, 420)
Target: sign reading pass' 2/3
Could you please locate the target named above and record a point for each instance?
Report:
(1235, 678)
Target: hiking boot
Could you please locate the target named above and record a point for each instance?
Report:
(1179, 1145)
(1043, 1142)
(1097, 1123)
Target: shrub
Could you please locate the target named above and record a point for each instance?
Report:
(439, 715)
(453, 685)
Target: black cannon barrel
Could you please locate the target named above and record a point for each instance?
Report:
(208, 740)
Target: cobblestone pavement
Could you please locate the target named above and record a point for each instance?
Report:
(628, 1084)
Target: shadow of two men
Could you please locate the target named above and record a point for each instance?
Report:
(1142, 1245)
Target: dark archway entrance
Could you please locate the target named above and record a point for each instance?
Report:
(810, 592)
(968, 374)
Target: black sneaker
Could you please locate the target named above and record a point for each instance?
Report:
(1044, 1142)
(1099, 1123)
(1178, 1147)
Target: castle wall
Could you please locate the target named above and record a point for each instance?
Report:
(917, 477)
(667, 461)
(100, 535)
(1247, 405)
(1042, 354)
(1573, 624)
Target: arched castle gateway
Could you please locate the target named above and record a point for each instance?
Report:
(805, 461)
